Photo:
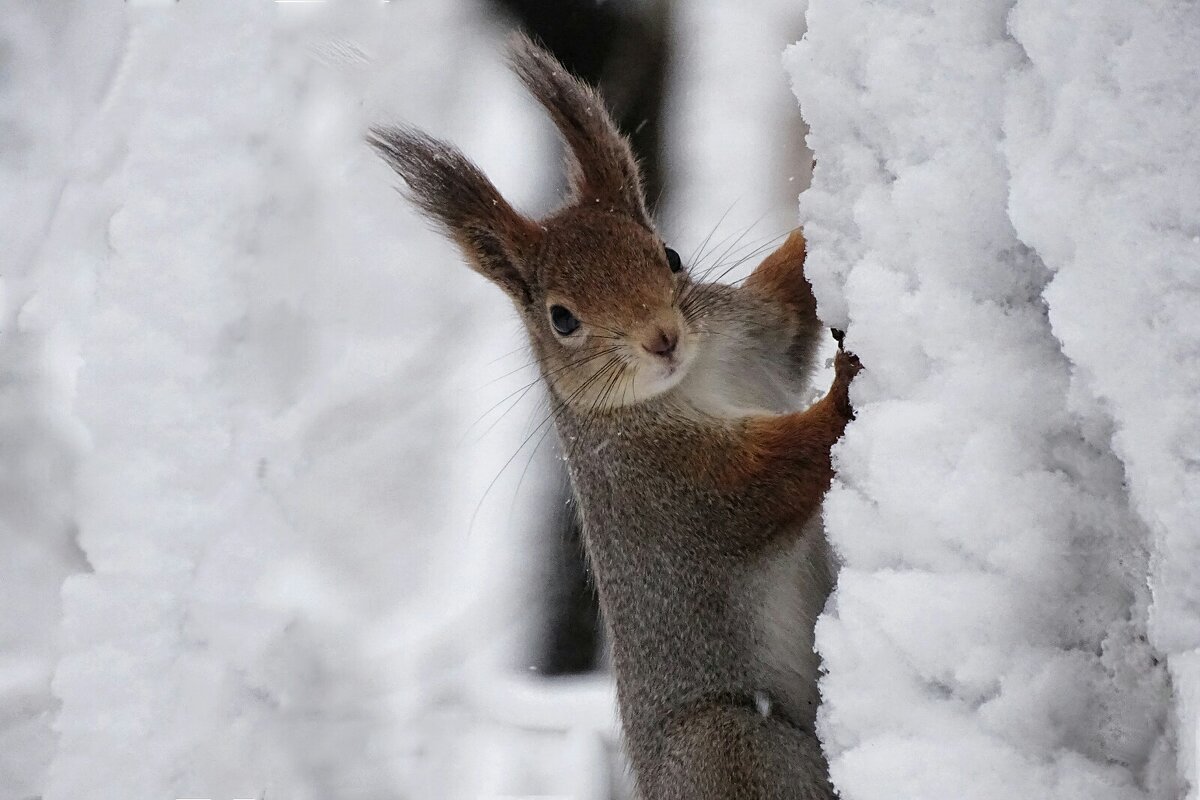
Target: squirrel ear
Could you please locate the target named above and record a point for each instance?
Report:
(454, 193)
(601, 165)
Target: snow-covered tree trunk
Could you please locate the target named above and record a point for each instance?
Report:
(1003, 215)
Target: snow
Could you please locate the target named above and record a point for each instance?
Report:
(1003, 217)
(1105, 187)
(238, 370)
(266, 502)
(52, 228)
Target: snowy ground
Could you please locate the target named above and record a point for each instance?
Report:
(251, 408)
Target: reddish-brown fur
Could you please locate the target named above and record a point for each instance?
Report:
(781, 276)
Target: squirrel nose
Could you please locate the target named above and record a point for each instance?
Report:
(663, 343)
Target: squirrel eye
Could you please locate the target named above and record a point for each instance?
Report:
(673, 260)
(563, 320)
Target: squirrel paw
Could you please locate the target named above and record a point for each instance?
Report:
(845, 365)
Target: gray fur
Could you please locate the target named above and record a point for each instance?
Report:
(698, 618)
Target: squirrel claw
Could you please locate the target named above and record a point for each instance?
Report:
(838, 336)
(846, 364)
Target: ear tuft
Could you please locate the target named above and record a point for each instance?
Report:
(455, 193)
(601, 163)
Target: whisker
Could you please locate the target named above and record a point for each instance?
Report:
(522, 391)
(553, 414)
(617, 333)
(597, 403)
(754, 244)
(506, 355)
(619, 367)
(692, 258)
(692, 307)
(696, 266)
(734, 244)
(525, 365)
(747, 257)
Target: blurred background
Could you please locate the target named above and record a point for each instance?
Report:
(281, 514)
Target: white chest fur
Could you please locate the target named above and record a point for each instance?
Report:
(731, 378)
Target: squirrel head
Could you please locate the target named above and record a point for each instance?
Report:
(602, 297)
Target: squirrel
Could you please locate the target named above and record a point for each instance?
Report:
(698, 481)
